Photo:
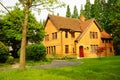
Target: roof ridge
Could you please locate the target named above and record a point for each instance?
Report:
(64, 17)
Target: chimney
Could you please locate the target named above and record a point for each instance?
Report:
(82, 17)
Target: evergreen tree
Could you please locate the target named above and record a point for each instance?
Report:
(82, 10)
(87, 9)
(75, 13)
(68, 13)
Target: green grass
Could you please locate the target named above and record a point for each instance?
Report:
(106, 68)
(3, 66)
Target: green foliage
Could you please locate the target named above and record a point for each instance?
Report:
(68, 13)
(106, 68)
(87, 9)
(35, 52)
(10, 60)
(11, 29)
(75, 13)
(4, 52)
(54, 53)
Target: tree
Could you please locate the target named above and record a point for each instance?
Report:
(68, 12)
(87, 9)
(27, 4)
(11, 30)
(82, 10)
(75, 13)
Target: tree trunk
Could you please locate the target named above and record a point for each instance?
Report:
(23, 43)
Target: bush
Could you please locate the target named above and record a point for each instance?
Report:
(10, 60)
(35, 52)
(4, 52)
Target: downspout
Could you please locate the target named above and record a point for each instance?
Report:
(61, 43)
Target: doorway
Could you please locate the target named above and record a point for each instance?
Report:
(81, 51)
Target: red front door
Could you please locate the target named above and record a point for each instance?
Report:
(81, 52)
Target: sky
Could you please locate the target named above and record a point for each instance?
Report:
(44, 13)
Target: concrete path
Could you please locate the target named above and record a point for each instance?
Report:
(58, 63)
(53, 64)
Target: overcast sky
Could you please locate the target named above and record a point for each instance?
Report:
(44, 13)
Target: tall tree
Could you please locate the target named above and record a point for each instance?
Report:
(82, 10)
(75, 13)
(27, 4)
(113, 22)
(68, 12)
(87, 9)
(11, 30)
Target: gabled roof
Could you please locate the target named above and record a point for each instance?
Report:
(85, 25)
(65, 23)
(104, 34)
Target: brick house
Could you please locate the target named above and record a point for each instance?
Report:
(76, 37)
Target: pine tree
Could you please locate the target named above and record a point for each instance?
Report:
(88, 9)
(81, 10)
(68, 13)
(75, 13)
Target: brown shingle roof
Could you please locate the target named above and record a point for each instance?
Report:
(104, 34)
(65, 23)
(85, 24)
(75, 25)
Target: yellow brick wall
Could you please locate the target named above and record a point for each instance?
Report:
(85, 41)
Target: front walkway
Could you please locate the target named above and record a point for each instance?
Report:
(54, 64)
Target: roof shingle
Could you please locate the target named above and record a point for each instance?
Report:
(65, 23)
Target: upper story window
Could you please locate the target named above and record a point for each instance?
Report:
(54, 35)
(73, 35)
(47, 37)
(66, 34)
(93, 35)
(106, 41)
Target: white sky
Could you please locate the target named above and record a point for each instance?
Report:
(44, 13)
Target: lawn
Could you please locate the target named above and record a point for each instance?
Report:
(107, 68)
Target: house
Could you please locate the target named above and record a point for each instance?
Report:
(76, 37)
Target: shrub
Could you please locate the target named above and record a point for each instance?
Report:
(4, 52)
(35, 52)
(10, 60)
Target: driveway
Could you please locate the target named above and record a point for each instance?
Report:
(59, 63)
(53, 64)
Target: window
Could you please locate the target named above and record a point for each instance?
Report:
(66, 49)
(66, 34)
(73, 35)
(93, 35)
(55, 49)
(96, 35)
(102, 40)
(47, 37)
(54, 35)
(110, 50)
(94, 48)
(109, 41)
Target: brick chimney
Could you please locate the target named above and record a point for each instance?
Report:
(82, 17)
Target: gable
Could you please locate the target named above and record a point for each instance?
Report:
(65, 23)
(50, 27)
(89, 24)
